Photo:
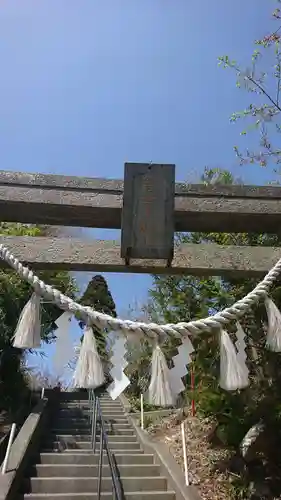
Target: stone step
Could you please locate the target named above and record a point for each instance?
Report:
(70, 438)
(83, 418)
(85, 396)
(87, 431)
(86, 407)
(86, 414)
(90, 458)
(89, 484)
(85, 451)
(85, 401)
(110, 400)
(86, 404)
(138, 495)
(86, 445)
(76, 470)
(75, 423)
(107, 420)
(85, 410)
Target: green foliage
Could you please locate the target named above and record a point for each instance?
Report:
(14, 294)
(147, 421)
(98, 296)
(238, 489)
(138, 370)
(136, 405)
(182, 298)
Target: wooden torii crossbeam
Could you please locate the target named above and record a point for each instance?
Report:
(98, 203)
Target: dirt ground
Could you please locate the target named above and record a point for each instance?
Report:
(202, 459)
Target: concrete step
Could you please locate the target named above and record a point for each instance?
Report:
(89, 484)
(84, 410)
(87, 407)
(85, 451)
(138, 495)
(83, 418)
(76, 470)
(108, 420)
(90, 458)
(86, 445)
(87, 431)
(75, 423)
(66, 438)
(86, 414)
(86, 401)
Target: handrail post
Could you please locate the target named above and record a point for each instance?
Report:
(10, 442)
(100, 465)
(116, 484)
(89, 403)
(94, 424)
(90, 400)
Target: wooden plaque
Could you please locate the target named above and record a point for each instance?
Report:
(148, 211)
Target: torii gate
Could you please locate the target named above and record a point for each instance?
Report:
(151, 209)
(148, 207)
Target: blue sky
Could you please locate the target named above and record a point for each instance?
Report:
(87, 85)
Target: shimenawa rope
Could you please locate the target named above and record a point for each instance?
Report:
(102, 320)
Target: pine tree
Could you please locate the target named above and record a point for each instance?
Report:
(97, 295)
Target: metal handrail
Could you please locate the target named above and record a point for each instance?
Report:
(97, 420)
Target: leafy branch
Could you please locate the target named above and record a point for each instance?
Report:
(260, 82)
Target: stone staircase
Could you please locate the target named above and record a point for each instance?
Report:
(67, 469)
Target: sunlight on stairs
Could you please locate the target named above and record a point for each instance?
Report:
(67, 469)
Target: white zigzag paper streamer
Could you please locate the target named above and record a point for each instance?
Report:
(120, 380)
(241, 346)
(179, 369)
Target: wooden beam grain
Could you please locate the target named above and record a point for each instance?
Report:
(148, 212)
(104, 256)
(82, 202)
